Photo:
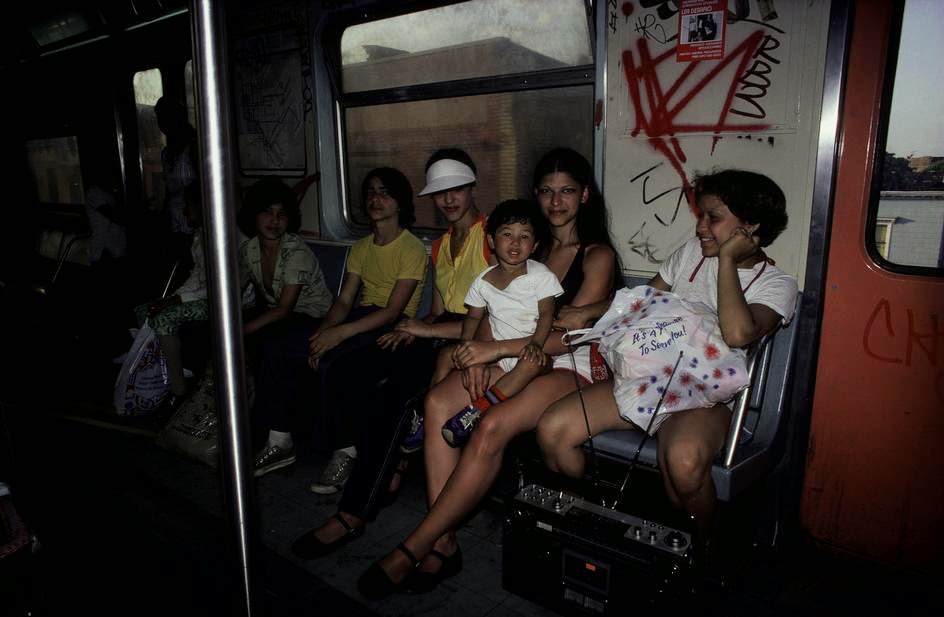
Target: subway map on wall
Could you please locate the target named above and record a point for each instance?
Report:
(269, 104)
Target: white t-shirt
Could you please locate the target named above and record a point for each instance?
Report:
(513, 311)
(764, 284)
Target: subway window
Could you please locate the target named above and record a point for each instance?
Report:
(148, 88)
(190, 93)
(57, 174)
(504, 80)
(906, 230)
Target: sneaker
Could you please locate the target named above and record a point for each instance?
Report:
(414, 439)
(335, 474)
(271, 458)
(457, 429)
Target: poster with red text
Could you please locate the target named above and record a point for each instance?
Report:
(701, 30)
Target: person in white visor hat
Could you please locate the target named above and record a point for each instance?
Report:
(447, 174)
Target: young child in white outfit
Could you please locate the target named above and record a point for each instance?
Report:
(518, 295)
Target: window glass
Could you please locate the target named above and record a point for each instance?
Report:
(909, 222)
(54, 164)
(189, 90)
(460, 41)
(60, 27)
(148, 88)
(504, 133)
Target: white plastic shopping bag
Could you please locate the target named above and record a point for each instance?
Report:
(641, 337)
(142, 382)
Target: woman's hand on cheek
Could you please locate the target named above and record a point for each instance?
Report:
(741, 245)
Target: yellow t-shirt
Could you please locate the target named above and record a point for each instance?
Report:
(453, 278)
(381, 266)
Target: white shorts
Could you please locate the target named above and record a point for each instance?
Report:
(580, 358)
(507, 364)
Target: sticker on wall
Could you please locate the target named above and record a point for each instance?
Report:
(701, 30)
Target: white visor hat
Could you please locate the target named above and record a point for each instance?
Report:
(447, 174)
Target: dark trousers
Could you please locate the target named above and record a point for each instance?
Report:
(284, 383)
(384, 424)
(291, 397)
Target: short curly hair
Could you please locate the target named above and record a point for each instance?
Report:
(264, 193)
(752, 197)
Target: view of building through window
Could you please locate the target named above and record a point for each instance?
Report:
(479, 38)
(148, 88)
(504, 132)
(910, 219)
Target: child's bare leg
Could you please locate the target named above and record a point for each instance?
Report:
(514, 381)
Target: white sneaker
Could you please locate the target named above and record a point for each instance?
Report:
(271, 458)
(335, 474)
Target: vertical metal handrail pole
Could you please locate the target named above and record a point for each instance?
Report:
(219, 188)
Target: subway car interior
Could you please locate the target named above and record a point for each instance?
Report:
(235, 226)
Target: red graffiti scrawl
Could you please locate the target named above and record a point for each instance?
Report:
(660, 126)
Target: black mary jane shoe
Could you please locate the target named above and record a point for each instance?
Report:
(374, 584)
(424, 582)
(308, 546)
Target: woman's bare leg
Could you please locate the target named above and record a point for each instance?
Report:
(563, 428)
(688, 443)
(478, 465)
(441, 403)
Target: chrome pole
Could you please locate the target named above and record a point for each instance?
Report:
(219, 194)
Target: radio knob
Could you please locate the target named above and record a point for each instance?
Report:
(652, 537)
(637, 532)
(675, 540)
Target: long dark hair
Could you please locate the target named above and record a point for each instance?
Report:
(398, 187)
(592, 220)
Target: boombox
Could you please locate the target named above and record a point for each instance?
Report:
(577, 557)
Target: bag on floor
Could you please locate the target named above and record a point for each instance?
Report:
(142, 381)
(193, 430)
(641, 337)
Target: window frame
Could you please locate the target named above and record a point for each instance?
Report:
(878, 165)
(887, 222)
(583, 75)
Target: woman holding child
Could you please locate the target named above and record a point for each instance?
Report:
(723, 266)
(580, 254)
